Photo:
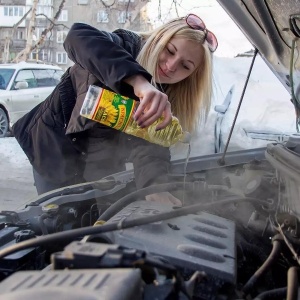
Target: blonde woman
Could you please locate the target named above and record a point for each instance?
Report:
(168, 70)
(182, 52)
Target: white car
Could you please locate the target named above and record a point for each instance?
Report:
(22, 87)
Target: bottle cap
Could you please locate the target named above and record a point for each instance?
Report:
(186, 138)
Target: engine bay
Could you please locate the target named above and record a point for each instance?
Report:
(236, 236)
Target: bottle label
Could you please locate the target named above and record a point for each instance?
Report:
(113, 110)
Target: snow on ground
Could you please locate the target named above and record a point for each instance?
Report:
(16, 182)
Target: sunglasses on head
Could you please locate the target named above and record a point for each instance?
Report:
(194, 22)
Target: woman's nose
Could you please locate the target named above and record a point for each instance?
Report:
(171, 65)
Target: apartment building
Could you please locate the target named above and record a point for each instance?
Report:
(102, 14)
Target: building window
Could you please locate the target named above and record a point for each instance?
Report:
(44, 10)
(63, 17)
(46, 2)
(61, 58)
(13, 11)
(20, 35)
(123, 16)
(41, 55)
(21, 11)
(34, 55)
(61, 35)
(102, 16)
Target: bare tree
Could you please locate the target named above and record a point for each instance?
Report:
(23, 55)
(53, 21)
(131, 17)
(176, 8)
(10, 37)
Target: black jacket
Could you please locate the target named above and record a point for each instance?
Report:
(66, 148)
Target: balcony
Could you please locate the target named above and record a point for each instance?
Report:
(15, 45)
(18, 44)
(15, 2)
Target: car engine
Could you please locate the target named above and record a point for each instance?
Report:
(236, 236)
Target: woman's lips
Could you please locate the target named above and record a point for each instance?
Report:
(162, 72)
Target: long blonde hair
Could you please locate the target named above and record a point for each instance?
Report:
(190, 98)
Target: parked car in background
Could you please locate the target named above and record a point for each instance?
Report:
(22, 86)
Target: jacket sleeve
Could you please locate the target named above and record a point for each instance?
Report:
(151, 162)
(106, 55)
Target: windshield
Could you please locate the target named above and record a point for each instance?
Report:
(5, 76)
(66, 165)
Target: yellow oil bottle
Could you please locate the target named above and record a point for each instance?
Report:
(116, 111)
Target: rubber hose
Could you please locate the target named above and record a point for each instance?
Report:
(272, 294)
(264, 267)
(42, 223)
(292, 284)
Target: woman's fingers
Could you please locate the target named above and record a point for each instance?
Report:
(147, 107)
(153, 103)
(167, 117)
(152, 108)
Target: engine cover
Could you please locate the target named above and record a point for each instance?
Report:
(110, 284)
(201, 242)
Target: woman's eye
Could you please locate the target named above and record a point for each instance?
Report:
(171, 52)
(186, 67)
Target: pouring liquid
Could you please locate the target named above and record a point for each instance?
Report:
(185, 169)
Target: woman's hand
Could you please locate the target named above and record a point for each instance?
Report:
(153, 103)
(164, 198)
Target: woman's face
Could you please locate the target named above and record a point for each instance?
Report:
(178, 60)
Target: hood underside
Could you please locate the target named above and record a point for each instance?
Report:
(272, 26)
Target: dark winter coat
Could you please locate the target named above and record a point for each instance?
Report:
(66, 148)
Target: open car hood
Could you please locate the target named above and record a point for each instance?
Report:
(237, 235)
(271, 26)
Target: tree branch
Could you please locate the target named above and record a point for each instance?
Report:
(113, 3)
(176, 9)
(54, 24)
(8, 39)
(50, 27)
(23, 55)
